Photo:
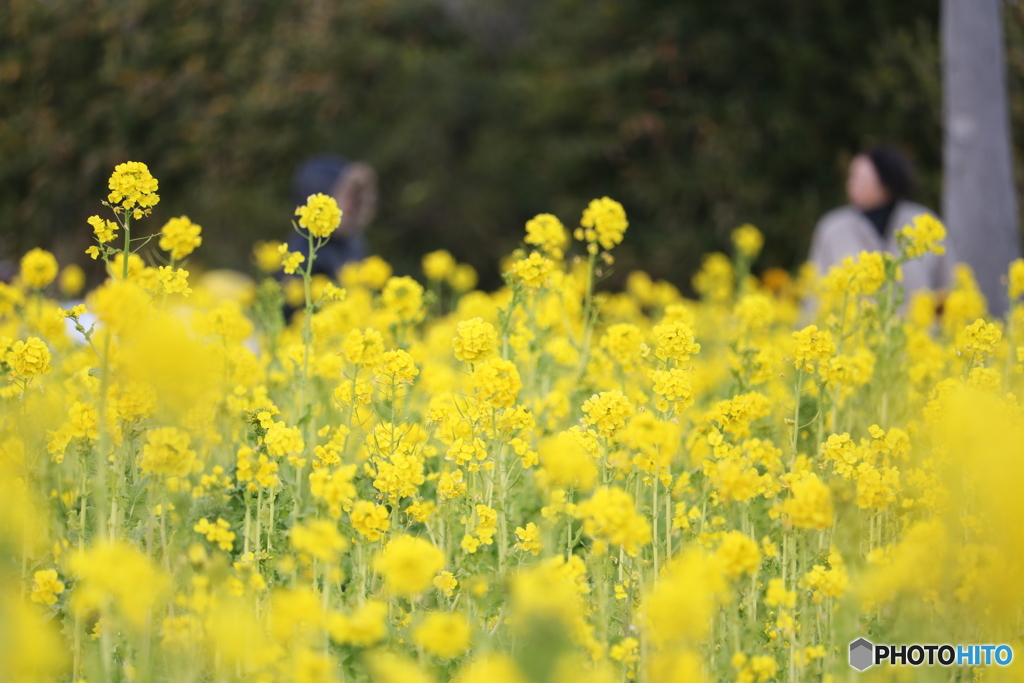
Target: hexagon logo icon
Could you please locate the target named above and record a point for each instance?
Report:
(861, 654)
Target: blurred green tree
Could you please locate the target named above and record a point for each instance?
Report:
(696, 116)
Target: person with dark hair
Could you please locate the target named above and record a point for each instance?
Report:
(879, 185)
(354, 186)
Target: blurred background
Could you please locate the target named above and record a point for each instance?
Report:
(697, 116)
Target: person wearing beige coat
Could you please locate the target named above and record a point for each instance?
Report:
(877, 186)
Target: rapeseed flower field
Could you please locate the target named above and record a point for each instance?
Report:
(549, 482)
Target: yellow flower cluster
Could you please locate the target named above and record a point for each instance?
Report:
(812, 346)
(860, 276)
(371, 521)
(675, 341)
(610, 515)
(320, 215)
(438, 265)
(29, 358)
(118, 578)
(403, 297)
(534, 271)
(133, 188)
(475, 340)
(320, 539)
(366, 626)
(486, 525)
(547, 232)
(544, 482)
(408, 565)
(167, 452)
(46, 587)
(290, 260)
(759, 668)
(496, 382)
(979, 339)
(179, 237)
(268, 256)
(924, 235)
(1015, 276)
(738, 554)
(528, 539)
(105, 230)
(565, 463)
(443, 635)
(809, 505)
(607, 412)
(604, 223)
(396, 367)
(218, 532)
(624, 342)
(826, 581)
(748, 240)
(38, 268)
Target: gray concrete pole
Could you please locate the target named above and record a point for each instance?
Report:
(979, 199)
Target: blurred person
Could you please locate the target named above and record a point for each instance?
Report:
(8, 271)
(879, 185)
(354, 186)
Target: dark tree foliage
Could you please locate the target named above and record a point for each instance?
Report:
(697, 116)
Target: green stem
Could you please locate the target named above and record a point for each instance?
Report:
(102, 464)
(654, 522)
(127, 246)
(588, 326)
(796, 415)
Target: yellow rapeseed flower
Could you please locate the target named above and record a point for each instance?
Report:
(446, 583)
(72, 280)
(1015, 279)
(268, 256)
(218, 532)
(403, 297)
(167, 452)
(528, 538)
(46, 587)
(133, 188)
(105, 230)
(607, 412)
(604, 223)
(738, 554)
(320, 215)
(30, 357)
(812, 346)
(408, 565)
(38, 268)
(748, 240)
(180, 237)
(369, 520)
(610, 514)
(496, 382)
(809, 505)
(365, 626)
(438, 265)
(547, 232)
(319, 538)
(922, 236)
(475, 340)
(444, 635)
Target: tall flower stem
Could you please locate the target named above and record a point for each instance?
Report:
(304, 407)
(588, 323)
(654, 521)
(794, 443)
